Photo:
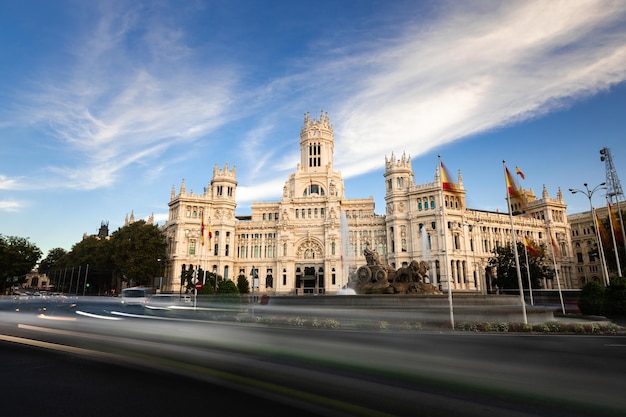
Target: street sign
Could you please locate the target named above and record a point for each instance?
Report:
(198, 285)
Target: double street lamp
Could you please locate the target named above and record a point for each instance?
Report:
(589, 193)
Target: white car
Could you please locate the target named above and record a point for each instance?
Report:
(165, 301)
(137, 296)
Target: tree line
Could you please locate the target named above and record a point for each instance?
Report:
(133, 255)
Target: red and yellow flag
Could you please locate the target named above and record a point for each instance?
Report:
(617, 228)
(511, 186)
(202, 229)
(555, 246)
(604, 234)
(520, 173)
(446, 184)
(530, 246)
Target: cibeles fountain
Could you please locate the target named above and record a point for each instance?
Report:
(378, 278)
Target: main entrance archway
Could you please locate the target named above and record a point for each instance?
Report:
(310, 267)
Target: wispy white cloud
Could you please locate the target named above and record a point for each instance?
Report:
(115, 106)
(7, 183)
(472, 71)
(136, 89)
(10, 206)
(474, 68)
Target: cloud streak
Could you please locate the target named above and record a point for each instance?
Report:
(471, 72)
(137, 90)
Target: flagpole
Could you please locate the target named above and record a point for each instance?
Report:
(621, 222)
(605, 272)
(445, 242)
(530, 287)
(508, 179)
(556, 270)
(619, 268)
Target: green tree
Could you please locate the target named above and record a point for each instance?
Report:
(52, 261)
(615, 297)
(136, 252)
(94, 256)
(209, 283)
(506, 269)
(591, 299)
(18, 257)
(243, 284)
(228, 293)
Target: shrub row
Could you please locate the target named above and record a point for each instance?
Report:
(548, 327)
(595, 299)
(382, 325)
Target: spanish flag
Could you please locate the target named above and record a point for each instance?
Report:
(530, 246)
(617, 228)
(605, 236)
(520, 173)
(511, 187)
(555, 247)
(202, 230)
(446, 184)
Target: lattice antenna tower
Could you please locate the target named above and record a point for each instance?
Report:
(613, 187)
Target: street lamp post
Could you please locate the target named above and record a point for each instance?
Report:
(589, 193)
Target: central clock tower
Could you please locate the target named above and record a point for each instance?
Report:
(316, 144)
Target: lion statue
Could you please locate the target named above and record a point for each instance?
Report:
(414, 272)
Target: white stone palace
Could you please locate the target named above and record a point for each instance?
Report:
(300, 245)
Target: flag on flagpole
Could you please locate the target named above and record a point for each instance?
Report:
(617, 228)
(530, 246)
(446, 184)
(210, 232)
(520, 173)
(555, 247)
(512, 188)
(604, 234)
(202, 230)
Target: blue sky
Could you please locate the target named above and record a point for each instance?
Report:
(104, 105)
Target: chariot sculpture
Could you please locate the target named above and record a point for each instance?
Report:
(378, 278)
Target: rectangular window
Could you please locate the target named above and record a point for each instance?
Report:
(192, 247)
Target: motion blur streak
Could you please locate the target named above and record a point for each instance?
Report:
(96, 316)
(55, 346)
(345, 370)
(43, 316)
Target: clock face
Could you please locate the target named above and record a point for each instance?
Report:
(314, 133)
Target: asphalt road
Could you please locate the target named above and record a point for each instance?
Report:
(41, 382)
(319, 371)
